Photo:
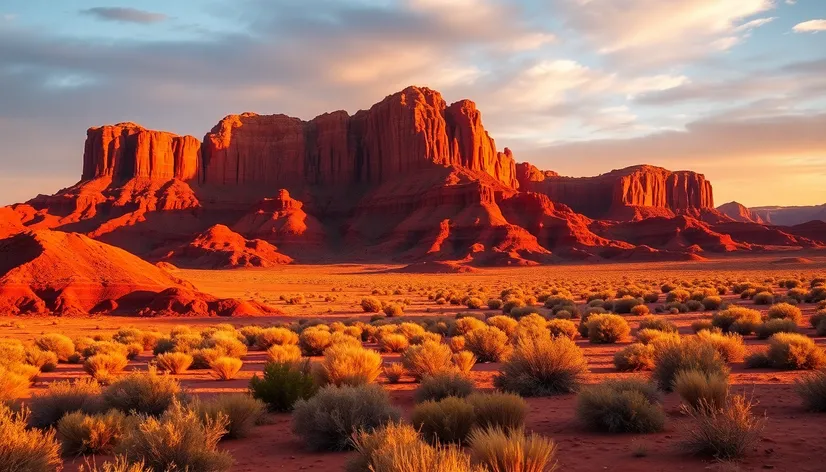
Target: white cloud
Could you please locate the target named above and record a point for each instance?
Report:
(811, 26)
(750, 25)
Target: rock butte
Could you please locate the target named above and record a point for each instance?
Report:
(412, 179)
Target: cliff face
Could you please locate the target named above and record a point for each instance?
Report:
(127, 150)
(631, 193)
(740, 213)
(407, 131)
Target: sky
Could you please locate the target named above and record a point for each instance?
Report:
(733, 89)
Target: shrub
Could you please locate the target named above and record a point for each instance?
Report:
(497, 450)
(505, 323)
(725, 433)
(225, 368)
(327, 420)
(393, 342)
(269, 337)
(620, 407)
(758, 360)
(428, 358)
(180, 439)
(770, 327)
(542, 367)
(62, 397)
(419, 456)
(468, 324)
(712, 302)
(370, 305)
(348, 365)
(286, 353)
(635, 356)
(678, 295)
(393, 309)
(795, 351)
(174, 362)
(763, 298)
(104, 367)
(241, 411)
(283, 384)
(489, 344)
(503, 410)
(607, 329)
(313, 341)
(46, 361)
(142, 392)
(394, 372)
(689, 354)
(23, 449)
(785, 311)
(369, 445)
(565, 328)
(446, 421)
(464, 361)
(730, 345)
(226, 343)
(702, 325)
(821, 328)
(56, 343)
(697, 388)
(657, 323)
(494, 303)
(82, 434)
(812, 390)
(737, 319)
(442, 385)
(13, 383)
(650, 336)
(626, 304)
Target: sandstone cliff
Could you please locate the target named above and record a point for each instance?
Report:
(739, 213)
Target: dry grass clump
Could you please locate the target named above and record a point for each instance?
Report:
(702, 325)
(283, 384)
(401, 455)
(142, 392)
(174, 362)
(785, 311)
(724, 433)
(690, 354)
(712, 302)
(489, 344)
(560, 327)
(313, 341)
(737, 319)
(265, 338)
(14, 382)
(348, 365)
(505, 323)
(225, 368)
(449, 420)
(105, 367)
(428, 358)
(57, 343)
(180, 439)
(285, 353)
(730, 345)
(497, 409)
(394, 372)
(45, 361)
(464, 361)
(326, 421)
(442, 385)
(620, 407)
(542, 367)
(499, 450)
(62, 397)
(650, 336)
(697, 388)
(371, 304)
(82, 434)
(241, 410)
(369, 445)
(393, 342)
(812, 390)
(795, 351)
(763, 298)
(23, 449)
(607, 329)
(657, 323)
(771, 327)
(635, 357)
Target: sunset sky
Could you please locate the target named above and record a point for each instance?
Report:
(734, 89)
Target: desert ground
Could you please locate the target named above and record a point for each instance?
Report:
(792, 438)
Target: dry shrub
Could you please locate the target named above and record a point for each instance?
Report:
(142, 392)
(689, 354)
(467, 324)
(763, 298)
(82, 434)
(241, 410)
(498, 450)
(702, 325)
(348, 365)
(265, 338)
(370, 444)
(226, 343)
(649, 336)
(13, 383)
(560, 327)
(56, 343)
(489, 344)
(180, 439)
(505, 323)
(543, 367)
(393, 342)
(504, 410)
(371, 305)
(62, 397)
(105, 367)
(428, 358)
(174, 362)
(283, 384)
(785, 311)
(607, 329)
(419, 456)
(45, 361)
(313, 341)
(23, 449)
(225, 368)
(725, 433)
(464, 361)
(120, 464)
(442, 385)
(795, 351)
(812, 390)
(327, 421)
(286, 353)
(445, 421)
(697, 388)
(737, 319)
(730, 345)
(394, 372)
(771, 327)
(620, 407)
(635, 357)
(657, 323)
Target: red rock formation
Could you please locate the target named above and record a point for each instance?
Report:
(282, 221)
(221, 248)
(739, 213)
(127, 150)
(632, 193)
(673, 234)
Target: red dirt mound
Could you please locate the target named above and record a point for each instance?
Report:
(793, 260)
(221, 248)
(435, 267)
(45, 272)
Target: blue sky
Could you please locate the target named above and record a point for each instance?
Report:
(735, 89)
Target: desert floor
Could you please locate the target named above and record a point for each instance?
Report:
(792, 440)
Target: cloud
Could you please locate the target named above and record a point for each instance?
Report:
(811, 26)
(125, 15)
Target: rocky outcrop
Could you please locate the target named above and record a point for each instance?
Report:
(127, 150)
(628, 194)
(220, 248)
(739, 213)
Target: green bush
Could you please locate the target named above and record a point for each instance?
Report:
(607, 329)
(542, 367)
(498, 450)
(428, 358)
(62, 397)
(23, 449)
(326, 421)
(82, 434)
(446, 421)
(442, 385)
(634, 357)
(283, 384)
(812, 390)
(142, 392)
(697, 388)
(795, 351)
(241, 411)
(503, 410)
(689, 354)
(620, 407)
